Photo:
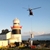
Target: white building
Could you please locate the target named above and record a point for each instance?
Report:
(13, 36)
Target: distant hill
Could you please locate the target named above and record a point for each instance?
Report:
(45, 34)
(39, 37)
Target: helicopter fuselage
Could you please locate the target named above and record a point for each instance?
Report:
(30, 12)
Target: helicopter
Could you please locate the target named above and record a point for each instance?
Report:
(30, 10)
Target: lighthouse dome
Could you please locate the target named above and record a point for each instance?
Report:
(16, 21)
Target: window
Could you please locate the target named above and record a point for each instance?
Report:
(18, 31)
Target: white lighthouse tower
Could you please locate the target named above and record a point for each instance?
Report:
(16, 32)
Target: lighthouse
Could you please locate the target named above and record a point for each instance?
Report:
(16, 29)
(16, 32)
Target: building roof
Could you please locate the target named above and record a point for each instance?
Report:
(3, 33)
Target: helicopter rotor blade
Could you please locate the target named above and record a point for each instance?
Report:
(24, 8)
(36, 8)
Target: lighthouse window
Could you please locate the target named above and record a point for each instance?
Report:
(19, 31)
(18, 23)
(16, 31)
(15, 23)
(13, 31)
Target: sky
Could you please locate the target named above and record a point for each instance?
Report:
(11, 9)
